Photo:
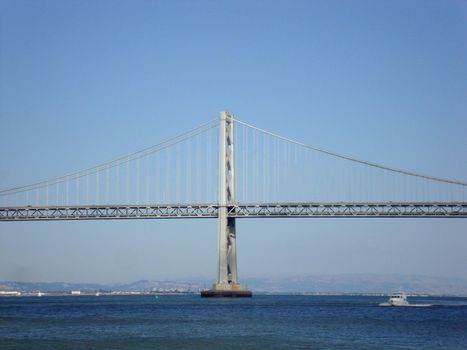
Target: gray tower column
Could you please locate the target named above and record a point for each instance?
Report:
(227, 264)
(227, 282)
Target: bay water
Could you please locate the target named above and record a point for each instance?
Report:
(262, 322)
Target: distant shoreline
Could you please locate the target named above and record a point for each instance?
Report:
(343, 284)
(143, 293)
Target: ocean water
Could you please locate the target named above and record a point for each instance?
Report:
(263, 322)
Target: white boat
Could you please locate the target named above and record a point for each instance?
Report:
(400, 299)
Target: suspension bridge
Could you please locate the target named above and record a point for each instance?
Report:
(229, 169)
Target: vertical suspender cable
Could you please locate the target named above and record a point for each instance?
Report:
(107, 184)
(137, 178)
(146, 168)
(117, 183)
(66, 184)
(265, 164)
(198, 168)
(208, 167)
(188, 171)
(248, 173)
(177, 173)
(157, 179)
(166, 189)
(97, 187)
(127, 181)
(77, 190)
(245, 198)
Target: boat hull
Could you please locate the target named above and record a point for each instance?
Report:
(405, 305)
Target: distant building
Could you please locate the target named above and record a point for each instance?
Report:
(75, 292)
(9, 293)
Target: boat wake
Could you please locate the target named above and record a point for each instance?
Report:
(406, 305)
(400, 300)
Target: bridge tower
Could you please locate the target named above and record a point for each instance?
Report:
(227, 282)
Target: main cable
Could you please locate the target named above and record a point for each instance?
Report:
(371, 164)
(113, 163)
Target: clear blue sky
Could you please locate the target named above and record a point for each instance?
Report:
(82, 82)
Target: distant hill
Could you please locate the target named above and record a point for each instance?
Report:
(144, 285)
(345, 283)
(361, 283)
(49, 286)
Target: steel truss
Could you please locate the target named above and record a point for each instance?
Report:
(100, 212)
(340, 209)
(259, 210)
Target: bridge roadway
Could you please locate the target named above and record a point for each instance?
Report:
(250, 210)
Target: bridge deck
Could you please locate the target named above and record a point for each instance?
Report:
(251, 210)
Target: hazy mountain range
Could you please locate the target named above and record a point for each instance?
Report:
(345, 283)
(362, 283)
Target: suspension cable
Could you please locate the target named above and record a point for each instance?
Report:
(113, 163)
(383, 167)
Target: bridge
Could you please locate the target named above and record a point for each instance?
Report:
(228, 169)
(255, 210)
